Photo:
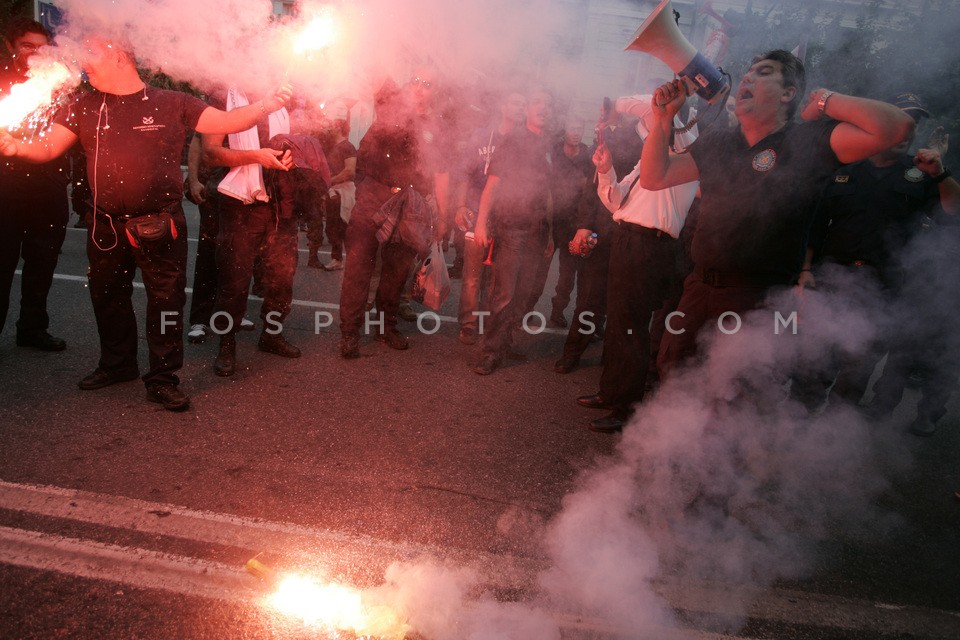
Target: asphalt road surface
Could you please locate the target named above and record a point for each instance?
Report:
(121, 520)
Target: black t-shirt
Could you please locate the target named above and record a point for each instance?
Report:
(338, 155)
(135, 165)
(523, 164)
(568, 179)
(22, 177)
(403, 150)
(868, 212)
(758, 202)
(475, 163)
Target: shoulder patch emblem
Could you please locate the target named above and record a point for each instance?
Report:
(765, 160)
(913, 174)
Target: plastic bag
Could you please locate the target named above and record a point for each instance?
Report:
(432, 284)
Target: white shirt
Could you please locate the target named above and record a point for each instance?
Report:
(665, 209)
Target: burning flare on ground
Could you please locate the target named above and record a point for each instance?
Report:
(330, 605)
(30, 106)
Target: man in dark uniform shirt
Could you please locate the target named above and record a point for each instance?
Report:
(868, 214)
(342, 157)
(133, 136)
(518, 189)
(759, 183)
(252, 227)
(403, 150)
(34, 222)
(572, 171)
(475, 288)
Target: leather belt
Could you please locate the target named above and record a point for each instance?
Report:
(647, 231)
(716, 278)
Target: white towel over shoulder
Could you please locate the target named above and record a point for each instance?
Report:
(245, 183)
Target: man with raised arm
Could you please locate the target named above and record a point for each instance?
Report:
(133, 136)
(760, 183)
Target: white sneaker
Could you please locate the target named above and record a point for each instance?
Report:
(247, 325)
(197, 333)
(334, 265)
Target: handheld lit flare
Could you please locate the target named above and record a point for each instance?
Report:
(606, 111)
(30, 105)
(330, 606)
(316, 35)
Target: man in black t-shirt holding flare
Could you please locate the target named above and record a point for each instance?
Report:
(133, 136)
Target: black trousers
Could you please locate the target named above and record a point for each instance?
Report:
(205, 272)
(249, 231)
(475, 286)
(590, 312)
(362, 247)
(570, 274)
(699, 304)
(641, 271)
(32, 226)
(517, 255)
(163, 266)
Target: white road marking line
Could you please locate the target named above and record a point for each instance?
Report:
(311, 304)
(147, 569)
(332, 548)
(321, 252)
(127, 565)
(335, 550)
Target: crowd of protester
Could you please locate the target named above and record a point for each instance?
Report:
(658, 229)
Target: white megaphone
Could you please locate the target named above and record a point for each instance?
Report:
(660, 37)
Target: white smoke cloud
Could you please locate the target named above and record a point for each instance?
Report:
(721, 479)
(444, 602)
(219, 43)
(718, 477)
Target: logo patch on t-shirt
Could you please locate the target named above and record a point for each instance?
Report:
(765, 160)
(913, 174)
(149, 124)
(841, 179)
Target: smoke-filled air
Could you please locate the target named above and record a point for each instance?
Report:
(721, 478)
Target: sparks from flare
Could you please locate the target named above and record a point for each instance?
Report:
(319, 33)
(31, 104)
(336, 607)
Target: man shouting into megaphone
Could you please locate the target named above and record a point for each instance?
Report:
(759, 182)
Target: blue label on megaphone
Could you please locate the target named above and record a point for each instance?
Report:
(707, 78)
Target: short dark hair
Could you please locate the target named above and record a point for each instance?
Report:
(794, 75)
(19, 27)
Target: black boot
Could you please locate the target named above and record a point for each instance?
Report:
(276, 344)
(313, 261)
(226, 362)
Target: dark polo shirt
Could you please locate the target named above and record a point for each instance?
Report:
(759, 201)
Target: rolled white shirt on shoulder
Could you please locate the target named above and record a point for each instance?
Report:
(665, 209)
